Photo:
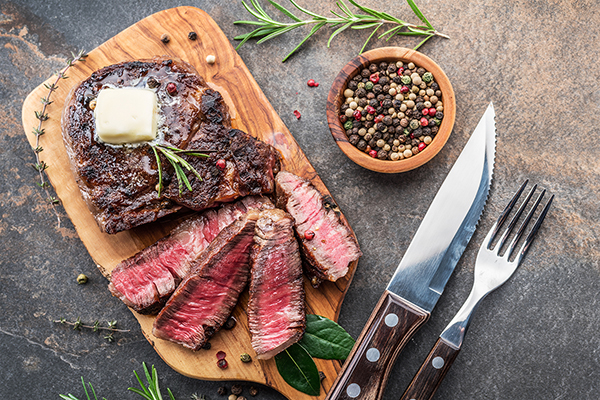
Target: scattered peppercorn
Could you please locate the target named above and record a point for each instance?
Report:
(245, 358)
(165, 38)
(222, 391)
(82, 279)
(221, 164)
(321, 375)
(236, 389)
(232, 397)
(297, 114)
(221, 355)
(253, 391)
(222, 364)
(312, 83)
(309, 235)
(206, 346)
(92, 104)
(230, 323)
(211, 59)
(172, 89)
(192, 36)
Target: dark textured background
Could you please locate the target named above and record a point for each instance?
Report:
(535, 338)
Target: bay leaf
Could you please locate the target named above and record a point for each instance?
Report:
(298, 369)
(325, 339)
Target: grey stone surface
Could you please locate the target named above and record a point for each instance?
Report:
(535, 338)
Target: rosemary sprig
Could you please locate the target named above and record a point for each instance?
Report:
(268, 28)
(173, 155)
(39, 165)
(87, 395)
(78, 325)
(151, 391)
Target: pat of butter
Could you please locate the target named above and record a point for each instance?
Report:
(126, 115)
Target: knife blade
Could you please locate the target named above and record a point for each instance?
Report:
(419, 280)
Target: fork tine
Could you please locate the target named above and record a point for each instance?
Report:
(502, 218)
(514, 220)
(534, 230)
(524, 224)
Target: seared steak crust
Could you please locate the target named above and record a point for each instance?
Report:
(203, 301)
(118, 183)
(145, 281)
(276, 314)
(333, 247)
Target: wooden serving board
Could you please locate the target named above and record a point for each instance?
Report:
(251, 112)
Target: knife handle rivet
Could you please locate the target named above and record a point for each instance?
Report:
(353, 390)
(372, 354)
(391, 320)
(437, 362)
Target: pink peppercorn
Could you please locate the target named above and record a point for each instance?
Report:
(370, 110)
(357, 115)
(424, 121)
(378, 118)
(309, 235)
(221, 355)
(373, 153)
(425, 111)
(404, 89)
(221, 164)
(422, 146)
(171, 88)
(432, 111)
(297, 114)
(222, 364)
(374, 78)
(311, 82)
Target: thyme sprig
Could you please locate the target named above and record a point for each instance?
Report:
(268, 28)
(78, 325)
(173, 155)
(42, 116)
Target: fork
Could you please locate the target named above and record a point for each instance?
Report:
(491, 271)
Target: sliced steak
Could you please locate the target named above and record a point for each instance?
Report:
(276, 314)
(328, 246)
(204, 300)
(239, 165)
(146, 280)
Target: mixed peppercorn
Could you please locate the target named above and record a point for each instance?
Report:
(392, 110)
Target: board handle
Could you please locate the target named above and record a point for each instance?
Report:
(390, 326)
(432, 372)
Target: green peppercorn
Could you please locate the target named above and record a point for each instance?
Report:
(427, 77)
(437, 121)
(245, 358)
(369, 85)
(348, 125)
(414, 124)
(406, 80)
(82, 279)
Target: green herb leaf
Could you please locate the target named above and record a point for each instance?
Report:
(324, 338)
(418, 13)
(299, 370)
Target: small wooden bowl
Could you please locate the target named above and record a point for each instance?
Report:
(336, 98)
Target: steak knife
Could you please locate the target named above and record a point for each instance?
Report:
(420, 278)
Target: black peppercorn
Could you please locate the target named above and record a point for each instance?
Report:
(369, 124)
(348, 132)
(380, 98)
(377, 89)
(373, 68)
(222, 391)
(373, 143)
(397, 104)
(360, 92)
(379, 110)
(396, 121)
(165, 38)
(386, 136)
(354, 139)
(439, 115)
(431, 123)
(387, 119)
(391, 68)
(362, 144)
(420, 106)
(374, 103)
(344, 107)
(230, 323)
(236, 389)
(362, 102)
(321, 376)
(206, 346)
(352, 85)
(384, 80)
(386, 104)
(370, 95)
(152, 83)
(383, 66)
(356, 124)
(386, 89)
(382, 154)
(434, 130)
(391, 129)
(192, 36)
(253, 391)
(354, 131)
(406, 72)
(357, 78)
(435, 86)
(365, 73)
(421, 71)
(397, 79)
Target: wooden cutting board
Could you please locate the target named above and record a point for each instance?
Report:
(251, 112)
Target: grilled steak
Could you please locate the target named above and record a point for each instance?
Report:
(146, 280)
(118, 182)
(204, 300)
(276, 314)
(239, 165)
(327, 244)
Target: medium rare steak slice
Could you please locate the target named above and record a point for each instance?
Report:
(239, 165)
(146, 280)
(204, 300)
(327, 244)
(276, 314)
(118, 182)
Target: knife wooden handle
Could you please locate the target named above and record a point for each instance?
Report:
(432, 372)
(365, 372)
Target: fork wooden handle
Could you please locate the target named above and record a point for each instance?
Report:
(365, 372)
(432, 372)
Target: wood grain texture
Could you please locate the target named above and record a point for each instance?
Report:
(432, 372)
(335, 99)
(251, 112)
(387, 337)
